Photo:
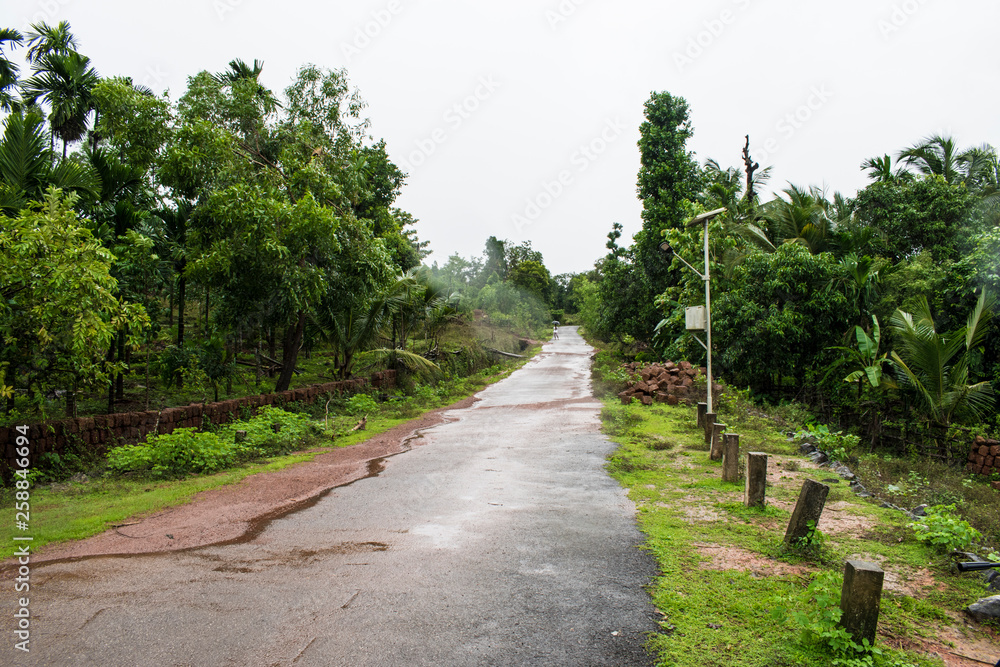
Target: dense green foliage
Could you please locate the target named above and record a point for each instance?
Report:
(800, 283)
(233, 228)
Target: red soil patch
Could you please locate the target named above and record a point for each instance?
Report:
(232, 512)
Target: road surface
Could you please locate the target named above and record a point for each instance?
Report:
(497, 540)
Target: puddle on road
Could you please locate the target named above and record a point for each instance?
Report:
(294, 558)
(255, 526)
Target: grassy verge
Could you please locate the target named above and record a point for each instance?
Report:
(90, 504)
(730, 591)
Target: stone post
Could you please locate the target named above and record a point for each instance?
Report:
(756, 479)
(731, 458)
(702, 409)
(808, 509)
(860, 599)
(717, 431)
(709, 423)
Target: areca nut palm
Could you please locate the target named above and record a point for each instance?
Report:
(65, 82)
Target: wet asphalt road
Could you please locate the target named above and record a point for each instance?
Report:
(498, 540)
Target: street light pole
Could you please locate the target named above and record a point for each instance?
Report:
(707, 277)
(708, 316)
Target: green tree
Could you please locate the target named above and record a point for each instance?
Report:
(134, 123)
(924, 214)
(27, 167)
(940, 155)
(668, 180)
(804, 218)
(775, 319)
(58, 312)
(935, 366)
(9, 70)
(44, 39)
(532, 277)
(65, 82)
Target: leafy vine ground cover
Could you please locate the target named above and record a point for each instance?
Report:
(730, 592)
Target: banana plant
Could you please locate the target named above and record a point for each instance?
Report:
(868, 364)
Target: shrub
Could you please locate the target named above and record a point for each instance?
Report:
(361, 404)
(187, 451)
(173, 454)
(942, 528)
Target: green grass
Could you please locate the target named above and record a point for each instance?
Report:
(723, 616)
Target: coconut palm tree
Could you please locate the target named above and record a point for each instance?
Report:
(940, 156)
(880, 170)
(936, 365)
(364, 329)
(806, 218)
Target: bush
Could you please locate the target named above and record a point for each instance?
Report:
(186, 451)
(361, 404)
(173, 454)
(942, 528)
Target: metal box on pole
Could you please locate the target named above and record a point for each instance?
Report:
(695, 319)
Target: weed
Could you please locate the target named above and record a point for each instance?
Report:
(944, 530)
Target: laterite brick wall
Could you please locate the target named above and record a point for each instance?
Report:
(103, 431)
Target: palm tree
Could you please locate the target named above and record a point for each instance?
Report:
(242, 76)
(44, 39)
(940, 156)
(8, 70)
(65, 81)
(936, 366)
(806, 218)
(27, 169)
(881, 170)
(363, 329)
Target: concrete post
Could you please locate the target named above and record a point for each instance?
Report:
(808, 509)
(731, 458)
(756, 479)
(702, 409)
(717, 431)
(709, 423)
(860, 599)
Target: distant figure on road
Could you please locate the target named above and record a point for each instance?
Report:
(555, 332)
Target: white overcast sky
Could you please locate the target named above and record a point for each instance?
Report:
(542, 144)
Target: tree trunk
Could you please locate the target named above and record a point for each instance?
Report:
(181, 294)
(71, 401)
(272, 347)
(120, 380)
(290, 352)
(111, 382)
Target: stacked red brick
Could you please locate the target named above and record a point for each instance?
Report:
(664, 383)
(984, 459)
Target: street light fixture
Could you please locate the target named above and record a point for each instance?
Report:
(704, 218)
